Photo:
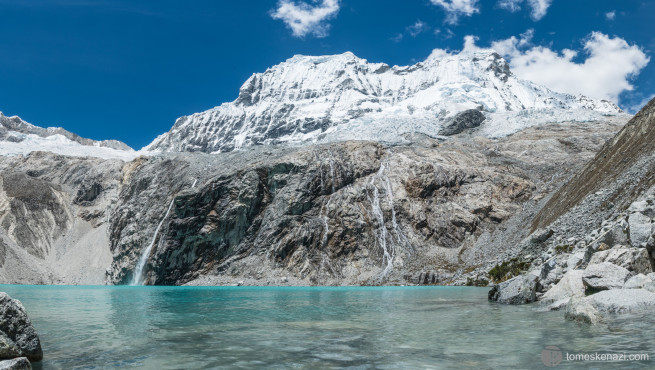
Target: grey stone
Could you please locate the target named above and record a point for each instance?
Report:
(644, 207)
(580, 310)
(616, 235)
(622, 300)
(462, 121)
(8, 349)
(541, 235)
(640, 229)
(637, 282)
(18, 327)
(575, 260)
(632, 259)
(569, 286)
(604, 276)
(21, 363)
(518, 290)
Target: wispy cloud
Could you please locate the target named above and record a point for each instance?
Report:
(457, 8)
(304, 18)
(511, 5)
(539, 8)
(414, 30)
(610, 15)
(417, 28)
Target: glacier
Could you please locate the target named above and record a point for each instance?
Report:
(343, 97)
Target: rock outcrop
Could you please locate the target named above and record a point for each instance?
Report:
(18, 338)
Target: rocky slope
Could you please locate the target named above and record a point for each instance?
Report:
(343, 97)
(341, 213)
(594, 255)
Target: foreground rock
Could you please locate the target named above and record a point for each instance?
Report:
(19, 338)
(622, 300)
(21, 363)
(570, 286)
(579, 309)
(519, 290)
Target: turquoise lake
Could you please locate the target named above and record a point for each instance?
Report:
(354, 328)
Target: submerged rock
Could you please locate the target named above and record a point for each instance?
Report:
(519, 290)
(17, 327)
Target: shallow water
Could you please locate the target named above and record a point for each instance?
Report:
(359, 328)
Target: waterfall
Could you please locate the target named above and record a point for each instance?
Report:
(388, 248)
(138, 272)
(381, 234)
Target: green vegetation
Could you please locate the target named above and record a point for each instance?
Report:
(563, 249)
(508, 270)
(477, 282)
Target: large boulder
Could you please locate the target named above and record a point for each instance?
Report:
(579, 309)
(605, 275)
(640, 229)
(637, 282)
(462, 121)
(17, 327)
(570, 286)
(632, 259)
(21, 363)
(622, 300)
(519, 290)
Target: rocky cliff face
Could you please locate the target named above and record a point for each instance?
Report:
(342, 97)
(341, 213)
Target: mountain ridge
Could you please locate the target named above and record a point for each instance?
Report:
(343, 97)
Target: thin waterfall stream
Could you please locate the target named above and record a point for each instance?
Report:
(140, 266)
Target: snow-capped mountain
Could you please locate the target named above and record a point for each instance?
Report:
(343, 97)
(20, 137)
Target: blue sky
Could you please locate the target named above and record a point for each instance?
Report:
(127, 69)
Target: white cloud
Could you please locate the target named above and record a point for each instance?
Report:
(446, 34)
(417, 28)
(303, 18)
(539, 7)
(456, 8)
(610, 15)
(511, 5)
(605, 73)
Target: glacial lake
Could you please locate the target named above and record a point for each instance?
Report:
(354, 328)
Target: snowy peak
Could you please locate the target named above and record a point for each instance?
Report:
(343, 97)
(18, 137)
